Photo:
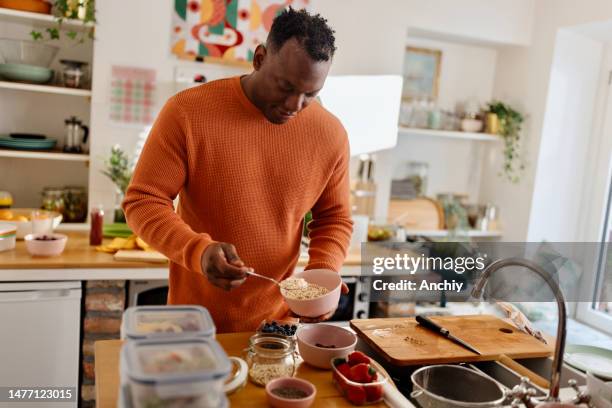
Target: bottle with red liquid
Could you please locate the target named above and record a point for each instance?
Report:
(97, 219)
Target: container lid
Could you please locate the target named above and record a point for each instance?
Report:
(175, 361)
(7, 230)
(168, 321)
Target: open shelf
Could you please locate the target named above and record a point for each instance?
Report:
(60, 90)
(39, 19)
(45, 155)
(446, 233)
(453, 134)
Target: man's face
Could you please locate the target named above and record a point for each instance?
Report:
(288, 80)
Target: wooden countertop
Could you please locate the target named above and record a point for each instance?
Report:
(107, 377)
(18, 265)
(78, 254)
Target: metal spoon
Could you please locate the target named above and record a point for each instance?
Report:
(252, 273)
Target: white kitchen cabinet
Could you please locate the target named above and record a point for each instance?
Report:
(40, 337)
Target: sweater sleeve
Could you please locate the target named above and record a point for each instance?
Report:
(331, 226)
(159, 176)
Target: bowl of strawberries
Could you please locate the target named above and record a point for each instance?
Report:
(359, 378)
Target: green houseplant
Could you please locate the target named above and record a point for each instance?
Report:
(119, 171)
(510, 125)
(83, 10)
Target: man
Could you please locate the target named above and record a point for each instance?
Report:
(248, 157)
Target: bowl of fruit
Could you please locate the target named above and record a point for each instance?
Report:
(21, 218)
(359, 378)
(45, 244)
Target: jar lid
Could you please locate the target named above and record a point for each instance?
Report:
(168, 321)
(175, 361)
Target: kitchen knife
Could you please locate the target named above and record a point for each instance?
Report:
(433, 326)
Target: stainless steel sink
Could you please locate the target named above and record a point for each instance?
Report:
(542, 367)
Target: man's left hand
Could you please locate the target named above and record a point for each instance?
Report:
(344, 290)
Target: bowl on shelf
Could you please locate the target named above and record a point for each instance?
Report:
(45, 244)
(27, 52)
(471, 125)
(26, 73)
(321, 305)
(290, 392)
(319, 343)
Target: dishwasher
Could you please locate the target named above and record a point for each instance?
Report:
(40, 340)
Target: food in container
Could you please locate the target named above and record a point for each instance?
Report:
(8, 236)
(360, 379)
(320, 343)
(73, 73)
(142, 322)
(186, 373)
(323, 303)
(269, 357)
(21, 219)
(300, 289)
(44, 244)
(290, 393)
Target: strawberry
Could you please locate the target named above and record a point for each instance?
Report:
(357, 357)
(362, 373)
(356, 394)
(345, 370)
(373, 392)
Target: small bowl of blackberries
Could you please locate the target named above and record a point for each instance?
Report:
(281, 328)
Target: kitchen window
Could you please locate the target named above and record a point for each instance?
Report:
(598, 312)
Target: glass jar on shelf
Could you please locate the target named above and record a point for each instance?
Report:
(53, 199)
(75, 204)
(270, 357)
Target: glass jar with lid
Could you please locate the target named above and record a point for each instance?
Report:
(270, 357)
(75, 204)
(53, 199)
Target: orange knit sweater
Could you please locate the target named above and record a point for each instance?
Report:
(242, 180)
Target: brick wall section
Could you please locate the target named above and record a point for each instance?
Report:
(104, 305)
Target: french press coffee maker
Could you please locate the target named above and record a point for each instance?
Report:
(74, 142)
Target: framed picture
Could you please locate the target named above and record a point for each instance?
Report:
(421, 73)
(224, 31)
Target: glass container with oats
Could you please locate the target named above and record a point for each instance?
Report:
(269, 358)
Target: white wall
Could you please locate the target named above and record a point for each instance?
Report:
(370, 38)
(522, 79)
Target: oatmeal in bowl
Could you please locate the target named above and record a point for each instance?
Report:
(312, 293)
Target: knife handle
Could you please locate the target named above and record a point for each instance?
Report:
(431, 325)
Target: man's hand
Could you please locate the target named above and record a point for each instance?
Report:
(344, 290)
(222, 266)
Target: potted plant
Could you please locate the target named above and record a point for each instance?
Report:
(510, 124)
(119, 171)
(83, 10)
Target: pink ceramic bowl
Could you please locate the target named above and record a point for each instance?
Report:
(314, 343)
(290, 382)
(323, 304)
(38, 247)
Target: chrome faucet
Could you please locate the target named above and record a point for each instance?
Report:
(557, 364)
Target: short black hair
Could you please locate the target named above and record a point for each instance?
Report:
(310, 30)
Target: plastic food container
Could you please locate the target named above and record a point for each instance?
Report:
(180, 372)
(155, 322)
(361, 393)
(8, 236)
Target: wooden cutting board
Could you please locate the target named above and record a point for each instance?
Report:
(140, 256)
(403, 342)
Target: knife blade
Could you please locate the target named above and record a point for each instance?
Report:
(433, 326)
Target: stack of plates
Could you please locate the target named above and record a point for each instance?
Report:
(26, 144)
(26, 73)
